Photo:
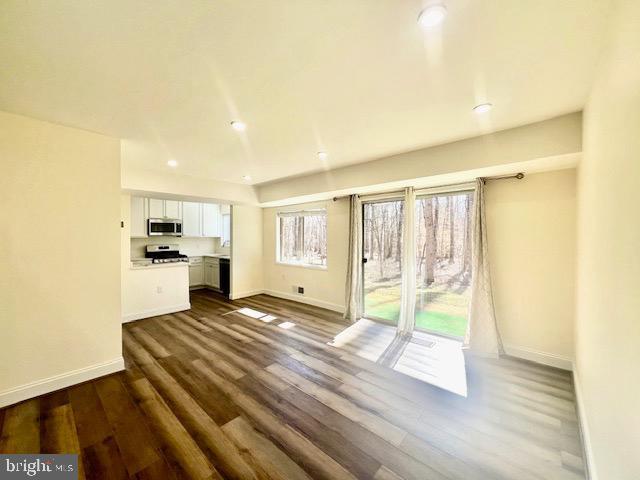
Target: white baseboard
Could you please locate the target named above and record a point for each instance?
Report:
(51, 384)
(545, 358)
(584, 427)
(250, 293)
(308, 300)
(130, 317)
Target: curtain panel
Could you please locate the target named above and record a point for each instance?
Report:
(407, 320)
(353, 287)
(482, 337)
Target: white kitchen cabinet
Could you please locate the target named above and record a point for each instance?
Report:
(208, 274)
(139, 215)
(212, 272)
(196, 275)
(156, 208)
(164, 208)
(216, 276)
(172, 209)
(196, 271)
(191, 219)
(211, 220)
(198, 219)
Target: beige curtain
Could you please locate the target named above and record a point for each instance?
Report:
(407, 319)
(482, 338)
(353, 300)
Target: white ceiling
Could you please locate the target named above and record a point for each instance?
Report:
(357, 78)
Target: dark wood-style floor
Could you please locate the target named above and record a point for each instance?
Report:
(213, 394)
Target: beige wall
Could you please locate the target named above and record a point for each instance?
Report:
(59, 251)
(246, 251)
(547, 145)
(608, 280)
(324, 288)
(532, 248)
(531, 231)
(172, 185)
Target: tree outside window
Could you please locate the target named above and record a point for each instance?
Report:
(302, 238)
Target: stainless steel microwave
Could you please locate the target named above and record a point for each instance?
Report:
(169, 227)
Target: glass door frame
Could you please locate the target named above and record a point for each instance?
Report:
(432, 193)
(369, 199)
(395, 196)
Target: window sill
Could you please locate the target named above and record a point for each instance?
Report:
(302, 265)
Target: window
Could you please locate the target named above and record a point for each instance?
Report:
(302, 238)
(226, 230)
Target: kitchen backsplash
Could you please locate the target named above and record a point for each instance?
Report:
(188, 246)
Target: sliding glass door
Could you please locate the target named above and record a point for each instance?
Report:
(382, 237)
(442, 260)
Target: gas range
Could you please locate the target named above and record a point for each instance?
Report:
(165, 254)
(182, 258)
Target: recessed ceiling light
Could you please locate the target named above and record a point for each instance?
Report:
(172, 163)
(432, 15)
(482, 108)
(323, 156)
(246, 178)
(238, 126)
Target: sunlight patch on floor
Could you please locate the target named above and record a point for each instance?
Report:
(286, 325)
(428, 358)
(250, 312)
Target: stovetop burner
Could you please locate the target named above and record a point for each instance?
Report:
(165, 254)
(181, 258)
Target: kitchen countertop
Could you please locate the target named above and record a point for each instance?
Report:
(158, 265)
(210, 255)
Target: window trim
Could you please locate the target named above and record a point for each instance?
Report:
(321, 211)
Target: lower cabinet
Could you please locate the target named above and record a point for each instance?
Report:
(212, 272)
(196, 275)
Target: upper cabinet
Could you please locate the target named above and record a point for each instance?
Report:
(172, 209)
(198, 219)
(191, 219)
(156, 208)
(139, 215)
(211, 220)
(164, 208)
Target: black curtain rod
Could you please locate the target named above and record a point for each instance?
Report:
(518, 175)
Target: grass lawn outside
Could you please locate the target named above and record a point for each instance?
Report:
(440, 308)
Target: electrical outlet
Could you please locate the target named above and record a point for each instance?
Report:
(159, 289)
(301, 290)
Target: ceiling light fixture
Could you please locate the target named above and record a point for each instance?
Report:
(323, 156)
(482, 108)
(238, 126)
(246, 178)
(172, 163)
(432, 16)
